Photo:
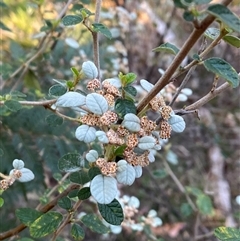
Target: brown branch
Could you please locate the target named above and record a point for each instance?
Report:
(67, 220)
(163, 81)
(44, 209)
(207, 97)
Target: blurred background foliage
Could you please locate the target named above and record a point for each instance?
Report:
(37, 48)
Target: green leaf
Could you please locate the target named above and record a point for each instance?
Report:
(94, 171)
(127, 79)
(195, 191)
(227, 234)
(94, 223)
(112, 212)
(186, 209)
(232, 40)
(84, 193)
(77, 232)
(75, 72)
(73, 194)
(25, 239)
(4, 27)
(54, 120)
(45, 224)
(130, 90)
(57, 90)
(119, 151)
(80, 177)
(17, 94)
(179, 4)
(199, 2)
(31, 81)
(123, 107)
(1, 202)
(167, 48)
(160, 173)
(212, 33)
(65, 203)
(188, 16)
(204, 204)
(71, 162)
(27, 215)
(69, 20)
(225, 15)
(98, 27)
(222, 68)
(13, 105)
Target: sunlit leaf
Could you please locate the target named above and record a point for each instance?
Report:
(146, 142)
(177, 123)
(212, 33)
(232, 40)
(4, 27)
(92, 156)
(127, 175)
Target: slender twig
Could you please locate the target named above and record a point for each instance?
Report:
(95, 36)
(208, 97)
(183, 84)
(44, 209)
(67, 220)
(179, 185)
(204, 236)
(34, 103)
(164, 80)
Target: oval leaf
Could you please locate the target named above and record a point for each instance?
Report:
(93, 172)
(98, 27)
(57, 90)
(65, 203)
(71, 99)
(27, 175)
(177, 123)
(18, 164)
(80, 177)
(84, 193)
(70, 162)
(123, 107)
(204, 204)
(225, 15)
(146, 85)
(126, 176)
(94, 223)
(90, 70)
(112, 212)
(77, 232)
(103, 189)
(146, 142)
(71, 20)
(27, 215)
(138, 171)
(131, 122)
(85, 133)
(13, 105)
(121, 165)
(167, 48)
(96, 103)
(92, 156)
(102, 137)
(232, 40)
(222, 68)
(227, 233)
(45, 224)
